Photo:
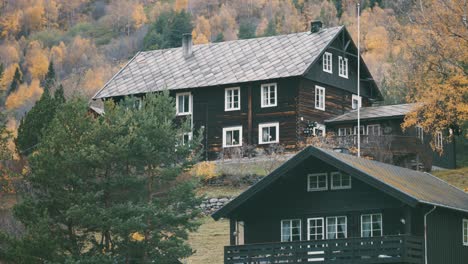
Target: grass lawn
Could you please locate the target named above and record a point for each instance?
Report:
(458, 177)
(220, 191)
(209, 241)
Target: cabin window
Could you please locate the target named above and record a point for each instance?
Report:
(465, 232)
(184, 103)
(232, 136)
(356, 101)
(269, 95)
(371, 225)
(343, 67)
(420, 133)
(320, 98)
(317, 182)
(344, 131)
(327, 62)
(373, 130)
(186, 138)
(439, 140)
(290, 230)
(315, 230)
(319, 130)
(268, 133)
(340, 181)
(361, 130)
(232, 99)
(336, 227)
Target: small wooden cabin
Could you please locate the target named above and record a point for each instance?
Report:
(383, 138)
(327, 207)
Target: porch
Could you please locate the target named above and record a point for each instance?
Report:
(402, 249)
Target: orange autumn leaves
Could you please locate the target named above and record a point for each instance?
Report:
(26, 94)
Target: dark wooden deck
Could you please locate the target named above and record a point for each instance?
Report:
(402, 249)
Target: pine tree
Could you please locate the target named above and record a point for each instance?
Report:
(246, 30)
(219, 37)
(49, 80)
(271, 29)
(166, 31)
(17, 80)
(109, 189)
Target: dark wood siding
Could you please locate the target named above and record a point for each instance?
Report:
(444, 233)
(289, 199)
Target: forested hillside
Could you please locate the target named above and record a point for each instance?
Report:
(403, 41)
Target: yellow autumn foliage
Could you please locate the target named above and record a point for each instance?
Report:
(137, 237)
(205, 170)
(37, 60)
(26, 94)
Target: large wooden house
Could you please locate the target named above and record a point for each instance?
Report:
(259, 91)
(327, 207)
(383, 138)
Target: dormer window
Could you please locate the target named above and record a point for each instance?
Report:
(327, 62)
(343, 67)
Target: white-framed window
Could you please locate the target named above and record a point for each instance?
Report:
(337, 227)
(291, 230)
(268, 133)
(315, 229)
(269, 95)
(373, 130)
(371, 225)
(344, 131)
(439, 140)
(319, 130)
(317, 182)
(320, 98)
(186, 138)
(184, 103)
(356, 101)
(232, 136)
(232, 99)
(420, 133)
(361, 130)
(343, 67)
(340, 180)
(327, 62)
(465, 232)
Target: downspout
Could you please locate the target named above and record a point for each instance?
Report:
(425, 233)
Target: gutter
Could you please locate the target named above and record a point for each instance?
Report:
(425, 232)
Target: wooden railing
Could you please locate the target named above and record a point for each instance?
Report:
(401, 249)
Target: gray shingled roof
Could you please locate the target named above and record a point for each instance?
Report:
(408, 185)
(220, 63)
(374, 112)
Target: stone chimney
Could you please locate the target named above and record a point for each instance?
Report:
(187, 45)
(315, 26)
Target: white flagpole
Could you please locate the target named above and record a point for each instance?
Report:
(358, 83)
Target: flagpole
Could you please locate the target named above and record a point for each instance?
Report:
(358, 83)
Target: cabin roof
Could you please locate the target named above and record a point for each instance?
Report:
(221, 63)
(374, 112)
(409, 186)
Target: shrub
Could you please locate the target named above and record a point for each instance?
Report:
(205, 170)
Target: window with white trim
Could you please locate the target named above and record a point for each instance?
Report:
(290, 230)
(315, 229)
(340, 180)
(327, 62)
(268, 133)
(371, 225)
(439, 140)
(232, 99)
(184, 103)
(317, 182)
(344, 131)
(420, 133)
(336, 227)
(361, 130)
(373, 130)
(356, 101)
(186, 138)
(465, 232)
(269, 95)
(320, 98)
(232, 136)
(343, 67)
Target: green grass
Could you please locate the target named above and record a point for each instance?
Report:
(220, 191)
(209, 241)
(457, 177)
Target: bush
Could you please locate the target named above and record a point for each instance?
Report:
(205, 170)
